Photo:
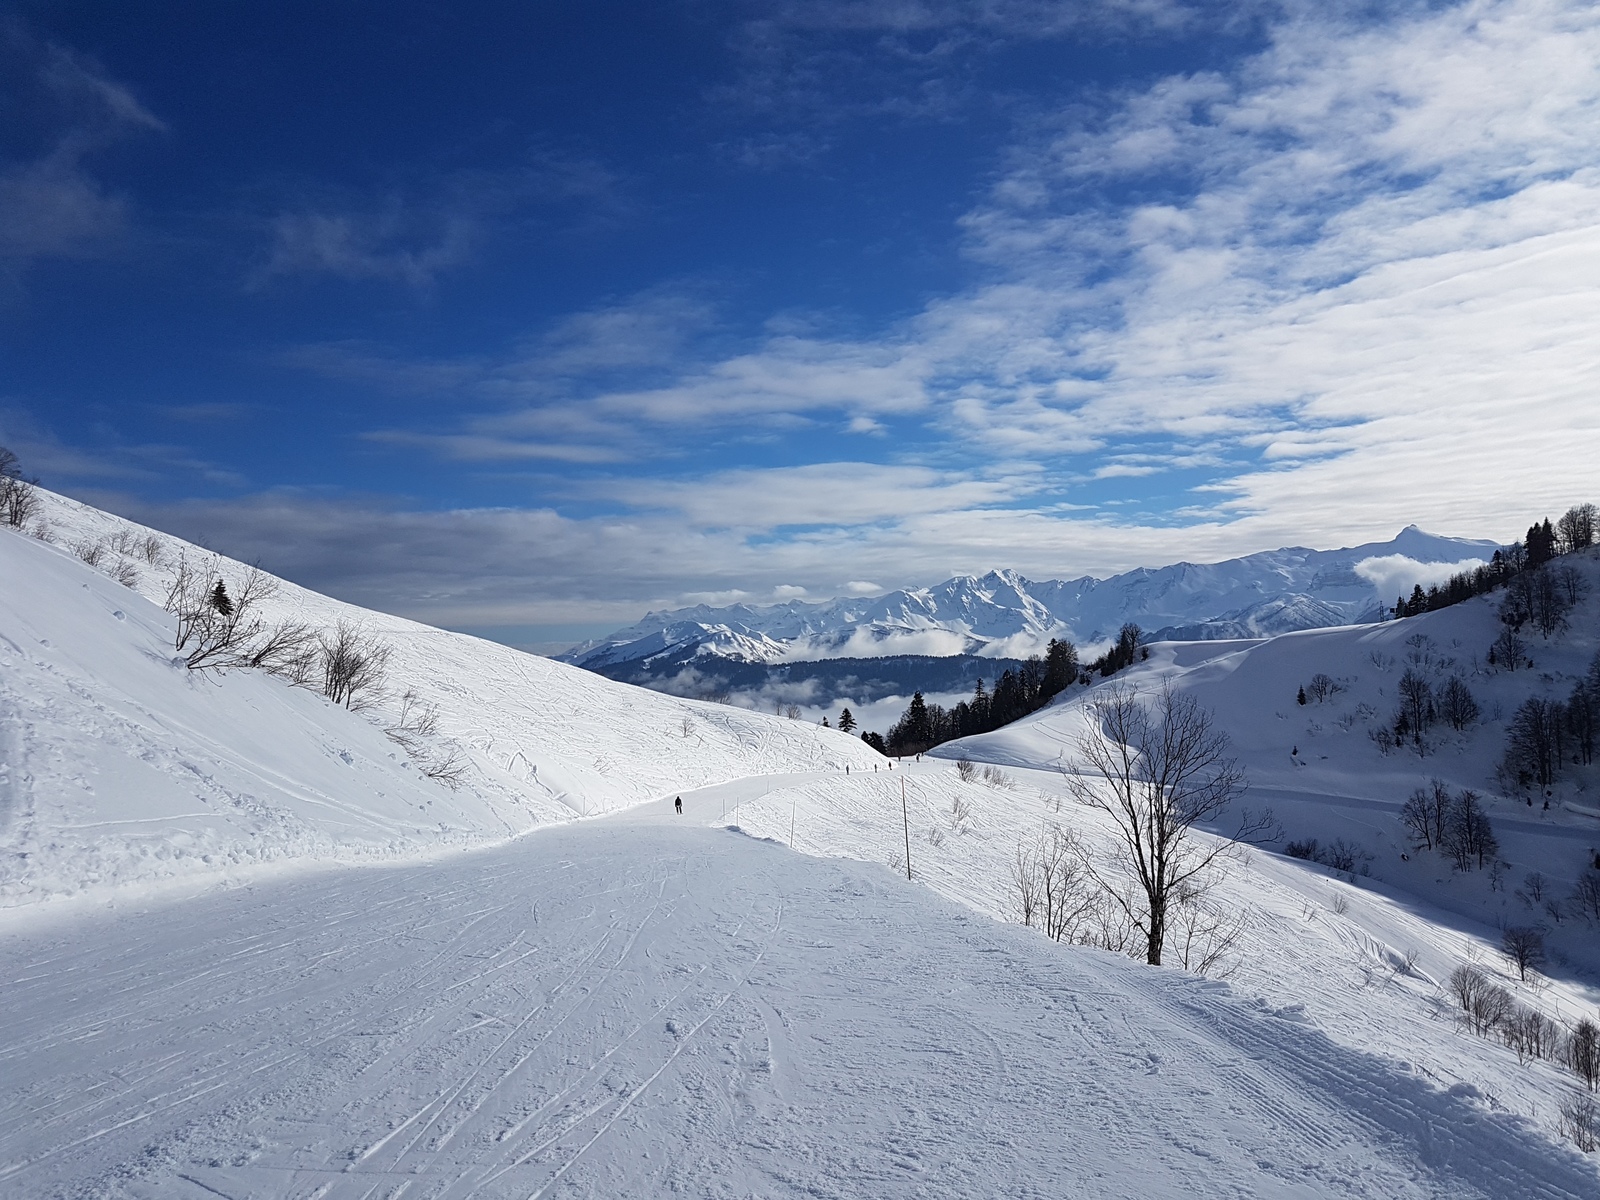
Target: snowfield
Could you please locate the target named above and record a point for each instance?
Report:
(643, 1008)
(120, 767)
(250, 950)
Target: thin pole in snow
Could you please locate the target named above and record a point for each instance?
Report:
(793, 803)
(905, 815)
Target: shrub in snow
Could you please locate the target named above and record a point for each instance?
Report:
(213, 635)
(1530, 1034)
(966, 770)
(1585, 898)
(1348, 858)
(1052, 887)
(1533, 889)
(1484, 1004)
(353, 666)
(1580, 1122)
(995, 777)
(19, 498)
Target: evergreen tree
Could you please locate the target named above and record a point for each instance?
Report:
(846, 721)
(1541, 543)
(1060, 666)
(1301, 698)
(220, 601)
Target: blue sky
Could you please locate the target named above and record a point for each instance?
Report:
(526, 318)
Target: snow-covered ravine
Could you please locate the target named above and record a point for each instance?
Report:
(646, 1007)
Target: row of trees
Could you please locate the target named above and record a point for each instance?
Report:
(1547, 735)
(1543, 542)
(1016, 694)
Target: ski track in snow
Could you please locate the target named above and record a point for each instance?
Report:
(645, 1006)
(649, 1007)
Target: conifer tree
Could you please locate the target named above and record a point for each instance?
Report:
(847, 722)
(220, 600)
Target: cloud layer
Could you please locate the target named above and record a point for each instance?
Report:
(1337, 281)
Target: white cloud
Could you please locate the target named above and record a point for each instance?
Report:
(52, 205)
(1349, 283)
(1395, 574)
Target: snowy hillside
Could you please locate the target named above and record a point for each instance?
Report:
(641, 1005)
(120, 766)
(1001, 613)
(1363, 951)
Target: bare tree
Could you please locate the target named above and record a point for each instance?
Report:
(1157, 771)
(1458, 708)
(1417, 710)
(1583, 1053)
(1509, 652)
(1468, 833)
(1576, 528)
(1534, 743)
(1524, 946)
(1573, 583)
(353, 666)
(1426, 814)
(1321, 687)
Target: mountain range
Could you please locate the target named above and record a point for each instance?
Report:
(1002, 614)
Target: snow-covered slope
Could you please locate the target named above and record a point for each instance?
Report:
(643, 1006)
(1002, 613)
(120, 766)
(1319, 767)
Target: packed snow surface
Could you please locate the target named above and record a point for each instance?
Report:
(641, 1007)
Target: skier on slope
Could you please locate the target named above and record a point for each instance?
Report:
(678, 805)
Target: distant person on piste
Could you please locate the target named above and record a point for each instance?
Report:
(678, 804)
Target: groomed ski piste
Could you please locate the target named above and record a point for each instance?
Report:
(250, 950)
